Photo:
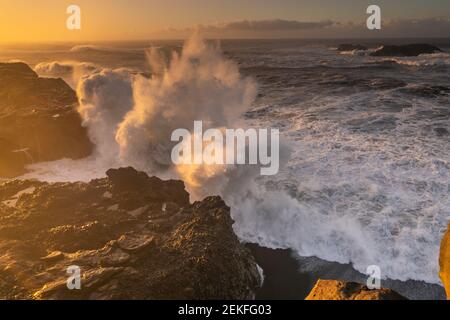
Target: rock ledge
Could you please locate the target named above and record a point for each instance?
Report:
(133, 237)
(340, 290)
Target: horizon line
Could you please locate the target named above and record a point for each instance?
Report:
(220, 39)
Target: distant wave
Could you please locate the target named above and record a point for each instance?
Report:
(358, 52)
(88, 47)
(84, 48)
(56, 68)
(423, 60)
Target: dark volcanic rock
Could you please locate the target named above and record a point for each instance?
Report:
(409, 50)
(340, 290)
(131, 181)
(351, 47)
(134, 237)
(38, 120)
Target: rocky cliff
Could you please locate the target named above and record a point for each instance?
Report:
(38, 120)
(132, 236)
(444, 261)
(340, 290)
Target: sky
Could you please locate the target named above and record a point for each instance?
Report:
(106, 20)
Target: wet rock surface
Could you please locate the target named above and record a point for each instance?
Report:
(132, 236)
(38, 120)
(409, 50)
(340, 290)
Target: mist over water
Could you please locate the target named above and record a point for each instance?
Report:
(367, 177)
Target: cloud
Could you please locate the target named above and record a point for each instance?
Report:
(279, 28)
(434, 27)
(439, 27)
(265, 25)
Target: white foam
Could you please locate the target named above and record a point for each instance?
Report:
(356, 196)
(423, 60)
(347, 194)
(12, 202)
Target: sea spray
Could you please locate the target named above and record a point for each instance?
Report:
(130, 117)
(367, 184)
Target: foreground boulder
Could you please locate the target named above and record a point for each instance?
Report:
(351, 47)
(38, 120)
(444, 262)
(409, 50)
(340, 290)
(132, 236)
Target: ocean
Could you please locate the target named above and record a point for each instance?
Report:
(366, 172)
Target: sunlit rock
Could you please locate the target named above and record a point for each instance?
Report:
(167, 248)
(340, 290)
(38, 120)
(444, 261)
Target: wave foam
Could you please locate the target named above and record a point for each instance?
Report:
(346, 195)
(70, 71)
(423, 60)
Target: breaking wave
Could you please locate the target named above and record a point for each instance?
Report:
(130, 117)
(423, 60)
(70, 71)
(88, 48)
(348, 193)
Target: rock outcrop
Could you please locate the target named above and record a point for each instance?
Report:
(38, 120)
(409, 50)
(444, 262)
(132, 236)
(340, 290)
(351, 47)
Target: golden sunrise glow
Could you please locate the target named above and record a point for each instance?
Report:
(107, 20)
(36, 21)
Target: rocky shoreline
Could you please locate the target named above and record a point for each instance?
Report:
(38, 120)
(138, 237)
(288, 276)
(132, 236)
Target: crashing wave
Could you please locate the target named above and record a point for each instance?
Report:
(339, 198)
(70, 71)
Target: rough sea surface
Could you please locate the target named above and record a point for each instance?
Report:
(368, 179)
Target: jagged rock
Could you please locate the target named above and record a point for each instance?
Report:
(53, 257)
(444, 262)
(351, 47)
(130, 181)
(340, 290)
(116, 257)
(38, 120)
(409, 50)
(170, 250)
